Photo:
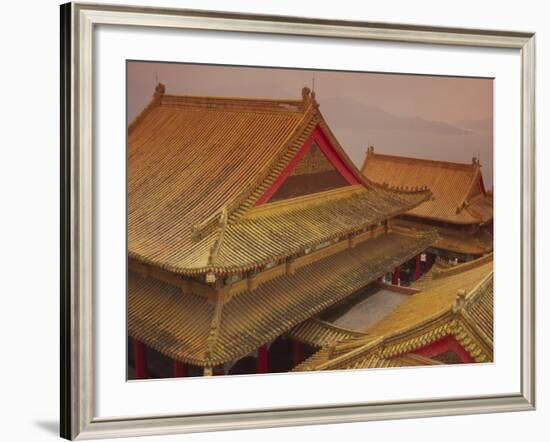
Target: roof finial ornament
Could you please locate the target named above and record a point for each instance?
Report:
(459, 300)
(306, 93)
(160, 89)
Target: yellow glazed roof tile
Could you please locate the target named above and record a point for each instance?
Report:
(457, 197)
(179, 324)
(197, 165)
(478, 242)
(435, 312)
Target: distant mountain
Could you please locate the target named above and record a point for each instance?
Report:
(483, 125)
(349, 113)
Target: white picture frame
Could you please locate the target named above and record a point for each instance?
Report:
(79, 405)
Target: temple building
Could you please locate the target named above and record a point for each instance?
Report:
(246, 218)
(461, 209)
(447, 319)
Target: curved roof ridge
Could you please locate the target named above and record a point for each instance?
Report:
(214, 331)
(426, 161)
(270, 104)
(218, 243)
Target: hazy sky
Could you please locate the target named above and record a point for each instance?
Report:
(442, 118)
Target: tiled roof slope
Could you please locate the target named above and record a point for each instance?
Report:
(319, 333)
(434, 313)
(477, 242)
(276, 230)
(457, 197)
(189, 328)
(197, 165)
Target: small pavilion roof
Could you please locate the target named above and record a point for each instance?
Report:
(457, 302)
(192, 329)
(459, 196)
(197, 166)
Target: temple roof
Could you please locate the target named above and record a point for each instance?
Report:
(459, 196)
(319, 333)
(192, 329)
(463, 241)
(455, 302)
(197, 167)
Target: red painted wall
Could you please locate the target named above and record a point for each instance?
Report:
(443, 345)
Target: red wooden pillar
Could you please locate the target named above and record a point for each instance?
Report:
(417, 268)
(179, 369)
(140, 359)
(395, 276)
(296, 352)
(261, 360)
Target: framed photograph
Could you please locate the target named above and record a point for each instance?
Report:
(272, 220)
